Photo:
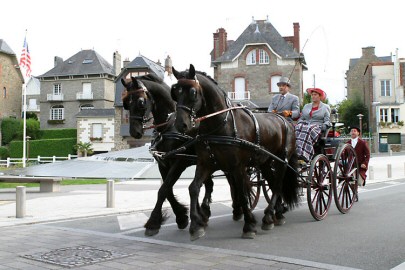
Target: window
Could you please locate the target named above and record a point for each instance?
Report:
(136, 74)
(385, 88)
(383, 115)
(87, 61)
(97, 130)
(4, 92)
(57, 112)
(86, 107)
(125, 116)
(274, 81)
(394, 115)
(251, 58)
(57, 89)
(263, 57)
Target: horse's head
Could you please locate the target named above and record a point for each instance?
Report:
(135, 99)
(187, 92)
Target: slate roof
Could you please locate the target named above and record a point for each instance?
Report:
(82, 63)
(259, 32)
(353, 61)
(4, 48)
(96, 113)
(142, 62)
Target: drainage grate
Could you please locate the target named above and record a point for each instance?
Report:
(76, 256)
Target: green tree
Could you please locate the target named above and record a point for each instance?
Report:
(84, 148)
(349, 109)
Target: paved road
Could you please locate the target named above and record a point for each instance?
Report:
(27, 242)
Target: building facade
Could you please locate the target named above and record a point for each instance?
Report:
(84, 81)
(11, 83)
(250, 67)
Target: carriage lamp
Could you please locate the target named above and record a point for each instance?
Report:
(334, 117)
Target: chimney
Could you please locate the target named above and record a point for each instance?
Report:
(220, 43)
(297, 37)
(368, 51)
(57, 60)
(168, 65)
(117, 63)
(126, 62)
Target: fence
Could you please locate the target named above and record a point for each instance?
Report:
(38, 160)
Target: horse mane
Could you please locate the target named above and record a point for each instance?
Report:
(150, 77)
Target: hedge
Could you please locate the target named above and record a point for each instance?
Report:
(3, 152)
(44, 148)
(59, 133)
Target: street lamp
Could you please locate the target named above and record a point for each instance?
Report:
(360, 116)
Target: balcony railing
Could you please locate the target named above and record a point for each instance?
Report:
(52, 97)
(239, 96)
(84, 96)
(33, 108)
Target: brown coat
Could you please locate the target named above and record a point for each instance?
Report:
(363, 156)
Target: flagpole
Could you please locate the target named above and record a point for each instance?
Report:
(25, 123)
(24, 111)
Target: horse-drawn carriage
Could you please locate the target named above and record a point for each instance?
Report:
(256, 152)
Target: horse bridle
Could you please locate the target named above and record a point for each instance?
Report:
(192, 111)
(143, 119)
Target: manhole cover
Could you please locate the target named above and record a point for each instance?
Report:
(76, 256)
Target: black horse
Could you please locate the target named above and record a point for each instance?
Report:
(145, 96)
(232, 139)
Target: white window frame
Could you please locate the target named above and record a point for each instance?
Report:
(251, 58)
(385, 88)
(383, 115)
(57, 112)
(57, 89)
(395, 115)
(97, 130)
(264, 57)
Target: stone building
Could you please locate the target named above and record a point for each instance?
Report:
(250, 67)
(84, 81)
(11, 82)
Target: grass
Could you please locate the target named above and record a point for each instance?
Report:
(64, 182)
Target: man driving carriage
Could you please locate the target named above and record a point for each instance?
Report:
(285, 103)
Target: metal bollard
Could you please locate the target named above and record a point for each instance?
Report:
(371, 172)
(20, 201)
(110, 194)
(389, 170)
(390, 152)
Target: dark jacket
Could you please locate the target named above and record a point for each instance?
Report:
(363, 156)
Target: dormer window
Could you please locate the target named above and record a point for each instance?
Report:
(251, 58)
(87, 61)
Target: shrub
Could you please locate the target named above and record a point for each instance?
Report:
(4, 152)
(59, 133)
(44, 148)
(9, 129)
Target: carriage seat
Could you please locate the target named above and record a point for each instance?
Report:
(323, 145)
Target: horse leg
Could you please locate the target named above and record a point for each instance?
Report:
(198, 224)
(237, 212)
(249, 228)
(205, 206)
(279, 208)
(157, 218)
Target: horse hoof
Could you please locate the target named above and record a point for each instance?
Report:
(182, 224)
(248, 235)
(237, 217)
(279, 222)
(151, 232)
(197, 234)
(267, 227)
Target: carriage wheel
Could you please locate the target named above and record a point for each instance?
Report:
(319, 187)
(345, 174)
(253, 186)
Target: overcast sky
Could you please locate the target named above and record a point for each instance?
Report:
(331, 33)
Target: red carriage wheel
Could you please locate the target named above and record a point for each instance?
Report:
(253, 186)
(319, 187)
(345, 174)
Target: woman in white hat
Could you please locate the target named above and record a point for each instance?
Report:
(315, 118)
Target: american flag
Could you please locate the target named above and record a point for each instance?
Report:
(25, 60)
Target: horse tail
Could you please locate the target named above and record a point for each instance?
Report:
(290, 186)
